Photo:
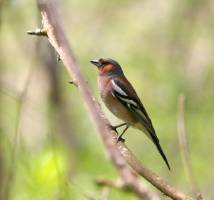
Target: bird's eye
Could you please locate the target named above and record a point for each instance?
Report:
(104, 64)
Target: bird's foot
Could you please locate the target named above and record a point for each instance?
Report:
(119, 136)
(114, 128)
(120, 139)
(118, 126)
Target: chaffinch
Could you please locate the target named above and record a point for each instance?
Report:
(121, 99)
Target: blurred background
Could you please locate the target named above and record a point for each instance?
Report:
(48, 146)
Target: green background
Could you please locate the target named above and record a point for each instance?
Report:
(48, 146)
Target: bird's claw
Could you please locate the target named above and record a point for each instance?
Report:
(114, 128)
(119, 136)
(120, 139)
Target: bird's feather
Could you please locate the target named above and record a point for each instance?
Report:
(131, 101)
(133, 104)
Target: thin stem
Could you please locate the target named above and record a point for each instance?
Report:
(184, 146)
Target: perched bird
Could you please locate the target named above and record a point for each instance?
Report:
(121, 99)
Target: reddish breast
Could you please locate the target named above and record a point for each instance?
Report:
(111, 102)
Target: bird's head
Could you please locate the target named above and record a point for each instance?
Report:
(107, 66)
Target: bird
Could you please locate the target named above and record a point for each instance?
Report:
(121, 99)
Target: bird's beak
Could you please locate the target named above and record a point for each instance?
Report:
(96, 62)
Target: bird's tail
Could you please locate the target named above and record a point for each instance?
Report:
(152, 135)
(158, 146)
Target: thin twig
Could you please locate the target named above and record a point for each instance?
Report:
(56, 36)
(184, 146)
(119, 183)
(38, 32)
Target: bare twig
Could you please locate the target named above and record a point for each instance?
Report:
(56, 36)
(38, 32)
(184, 146)
(118, 183)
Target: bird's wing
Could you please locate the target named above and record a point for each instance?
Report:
(126, 94)
(128, 97)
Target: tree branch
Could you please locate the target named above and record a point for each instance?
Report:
(56, 36)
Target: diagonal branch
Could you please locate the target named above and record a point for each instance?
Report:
(56, 36)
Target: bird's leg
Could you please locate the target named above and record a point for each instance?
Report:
(119, 137)
(115, 127)
(120, 125)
